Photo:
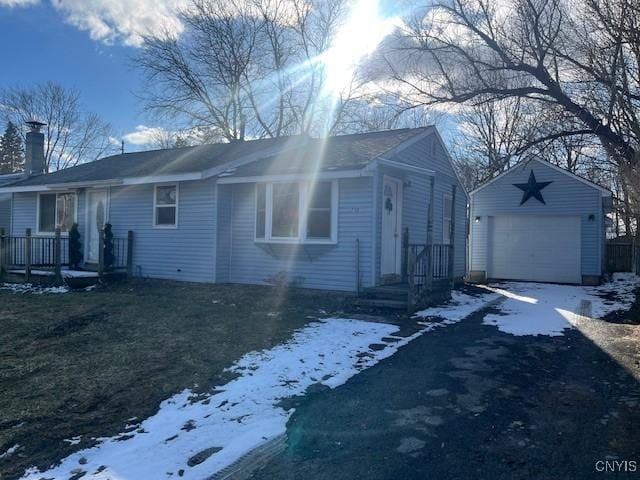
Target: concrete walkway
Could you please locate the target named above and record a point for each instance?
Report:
(473, 402)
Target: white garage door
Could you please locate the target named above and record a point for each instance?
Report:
(535, 248)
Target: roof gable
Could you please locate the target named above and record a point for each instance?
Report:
(604, 191)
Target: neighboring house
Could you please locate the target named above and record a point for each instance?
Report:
(538, 222)
(314, 212)
(5, 201)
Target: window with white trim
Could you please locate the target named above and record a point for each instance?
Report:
(165, 206)
(56, 210)
(447, 214)
(319, 211)
(296, 212)
(285, 210)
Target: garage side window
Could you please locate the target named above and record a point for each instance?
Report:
(447, 213)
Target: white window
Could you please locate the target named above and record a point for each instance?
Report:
(319, 211)
(56, 210)
(165, 206)
(447, 213)
(296, 212)
(285, 211)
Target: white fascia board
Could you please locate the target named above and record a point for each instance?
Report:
(180, 177)
(327, 175)
(60, 186)
(73, 185)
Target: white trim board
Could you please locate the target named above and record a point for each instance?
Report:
(294, 177)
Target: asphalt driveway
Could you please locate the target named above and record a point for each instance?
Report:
(483, 399)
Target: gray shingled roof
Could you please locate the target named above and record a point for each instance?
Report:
(343, 152)
(298, 154)
(9, 178)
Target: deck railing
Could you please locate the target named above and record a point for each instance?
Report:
(428, 267)
(51, 252)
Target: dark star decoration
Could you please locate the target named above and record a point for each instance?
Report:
(532, 189)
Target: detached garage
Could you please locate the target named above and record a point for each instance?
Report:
(538, 222)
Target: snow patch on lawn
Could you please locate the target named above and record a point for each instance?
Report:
(9, 452)
(195, 439)
(32, 288)
(546, 309)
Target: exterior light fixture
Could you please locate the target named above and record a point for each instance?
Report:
(477, 219)
(592, 218)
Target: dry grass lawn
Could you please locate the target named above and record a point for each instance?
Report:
(83, 363)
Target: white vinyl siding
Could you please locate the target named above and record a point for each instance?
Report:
(323, 265)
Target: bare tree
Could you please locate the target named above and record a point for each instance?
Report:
(72, 136)
(576, 57)
(245, 68)
(492, 138)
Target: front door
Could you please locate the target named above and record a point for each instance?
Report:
(390, 263)
(96, 218)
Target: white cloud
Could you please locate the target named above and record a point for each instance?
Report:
(143, 135)
(125, 21)
(18, 3)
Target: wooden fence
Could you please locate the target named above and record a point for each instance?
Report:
(620, 257)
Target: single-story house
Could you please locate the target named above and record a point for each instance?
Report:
(320, 213)
(538, 222)
(5, 200)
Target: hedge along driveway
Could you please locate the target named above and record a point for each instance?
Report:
(80, 365)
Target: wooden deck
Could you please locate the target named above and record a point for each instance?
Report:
(45, 260)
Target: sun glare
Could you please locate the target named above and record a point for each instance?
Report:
(358, 37)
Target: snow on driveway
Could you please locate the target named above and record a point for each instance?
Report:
(547, 309)
(194, 439)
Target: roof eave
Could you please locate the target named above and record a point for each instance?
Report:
(292, 177)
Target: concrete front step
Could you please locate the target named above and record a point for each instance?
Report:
(388, 292)
(382, 303)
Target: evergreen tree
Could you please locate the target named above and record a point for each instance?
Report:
(109, 258)
(11, 150)
(75, 248)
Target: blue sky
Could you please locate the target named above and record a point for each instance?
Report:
(89, 45)
(38, 44)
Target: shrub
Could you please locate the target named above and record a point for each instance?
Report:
(75, 248)
(109, 258)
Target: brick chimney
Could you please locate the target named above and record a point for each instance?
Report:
(34, 163)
